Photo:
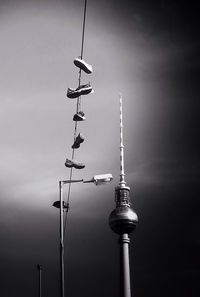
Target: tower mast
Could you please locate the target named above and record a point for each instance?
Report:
(122, 174)
(123, 219)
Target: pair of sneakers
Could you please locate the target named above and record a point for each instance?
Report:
(72, 163)
(82, 90)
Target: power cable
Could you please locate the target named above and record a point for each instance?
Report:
(78, 106)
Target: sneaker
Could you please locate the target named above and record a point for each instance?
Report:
(70, 164)
(73, 93)
(86, 89)
(79, 139)
(78, 165)
(79, 116)
(83, 65)
(82, 90)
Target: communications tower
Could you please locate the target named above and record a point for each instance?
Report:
(123, 220)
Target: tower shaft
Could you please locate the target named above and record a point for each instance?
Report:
(125, 286)
(39, 267)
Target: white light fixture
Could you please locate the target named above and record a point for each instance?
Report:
(97, 179)
(100, 179)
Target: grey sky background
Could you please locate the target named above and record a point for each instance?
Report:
(149, 53)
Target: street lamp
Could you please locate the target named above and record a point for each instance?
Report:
(100, 179)
(63, 206)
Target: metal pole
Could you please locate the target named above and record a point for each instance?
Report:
(125, 286)
(39, 267)
(62, 275)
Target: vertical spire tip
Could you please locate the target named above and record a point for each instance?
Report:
(122, 182)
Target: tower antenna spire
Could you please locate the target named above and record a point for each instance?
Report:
(122, 182)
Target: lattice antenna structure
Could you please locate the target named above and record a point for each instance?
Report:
(122, 182)
(122, 191)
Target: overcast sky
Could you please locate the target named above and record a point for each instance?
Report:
(149, 52)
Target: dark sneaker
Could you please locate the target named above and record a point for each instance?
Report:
(79, 139)
(70, 164)
(83, 65)
(73, 93)
(79, 116)
(82, 90)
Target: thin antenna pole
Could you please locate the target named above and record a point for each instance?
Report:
(39, 267)
(62, 269)
(122, 182)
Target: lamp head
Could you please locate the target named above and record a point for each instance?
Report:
(102, 179)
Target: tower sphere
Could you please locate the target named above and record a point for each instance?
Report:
(123, 220)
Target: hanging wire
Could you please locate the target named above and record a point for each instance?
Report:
(78, 107)
(82, 47)
(83, 32)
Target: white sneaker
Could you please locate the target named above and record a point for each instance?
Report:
(83, 65)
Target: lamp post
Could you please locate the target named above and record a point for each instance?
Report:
(39, 267)
(97, 180)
